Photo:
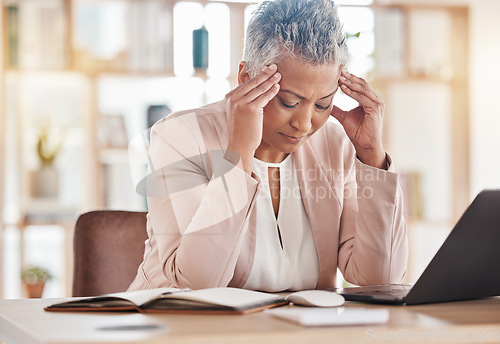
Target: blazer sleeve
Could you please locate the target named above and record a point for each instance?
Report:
(197, 217)
(373, 247)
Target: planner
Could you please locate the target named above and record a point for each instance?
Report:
(224, 300)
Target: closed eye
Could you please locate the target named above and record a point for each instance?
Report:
(322, 108)
(288, 106)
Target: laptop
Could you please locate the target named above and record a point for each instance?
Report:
(466, 267)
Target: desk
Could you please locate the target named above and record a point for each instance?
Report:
(24, 321)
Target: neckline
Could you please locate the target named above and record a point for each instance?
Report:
(273, 164)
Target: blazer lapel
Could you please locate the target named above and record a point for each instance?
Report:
(322, 208)
(218, 144)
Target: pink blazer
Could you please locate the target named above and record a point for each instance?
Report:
(202, 219)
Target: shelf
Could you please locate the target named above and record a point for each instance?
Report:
(39, 211)
(109, 156)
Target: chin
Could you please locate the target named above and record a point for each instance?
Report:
(289, 148)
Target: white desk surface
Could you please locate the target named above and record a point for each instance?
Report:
(24, 321)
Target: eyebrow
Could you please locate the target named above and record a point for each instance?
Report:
(299, 96)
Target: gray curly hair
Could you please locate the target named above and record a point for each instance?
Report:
(305, 29)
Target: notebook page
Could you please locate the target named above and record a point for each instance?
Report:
(141, 296)
(232, 297)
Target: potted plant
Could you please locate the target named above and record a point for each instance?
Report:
(48, 146)
(34, 278)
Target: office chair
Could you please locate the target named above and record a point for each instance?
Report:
(108, 249)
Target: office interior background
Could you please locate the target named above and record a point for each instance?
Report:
(79, 77)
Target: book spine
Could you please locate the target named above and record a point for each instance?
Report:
(13, 35)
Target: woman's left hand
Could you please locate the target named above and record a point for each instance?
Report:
(363, 124)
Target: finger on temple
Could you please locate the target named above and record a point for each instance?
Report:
(360, 93)
(354, 78)
(263, 88)
(245, 87)
(266, 97)
(264, 75)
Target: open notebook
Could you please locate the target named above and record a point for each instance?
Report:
(172, 300)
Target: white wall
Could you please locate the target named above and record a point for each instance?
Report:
(420, 134)
(485, 94)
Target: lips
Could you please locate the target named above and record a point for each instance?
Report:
(292, 139)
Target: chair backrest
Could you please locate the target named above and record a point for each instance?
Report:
(108, 249)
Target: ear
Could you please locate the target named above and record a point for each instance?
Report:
(243, 74)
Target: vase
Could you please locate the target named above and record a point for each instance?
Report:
(200, 48)
(46, 182)
(35, 290)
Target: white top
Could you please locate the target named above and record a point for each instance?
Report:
(292, 262)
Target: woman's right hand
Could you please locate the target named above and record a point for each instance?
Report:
(246, 108)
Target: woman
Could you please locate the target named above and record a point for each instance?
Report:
(260, 190)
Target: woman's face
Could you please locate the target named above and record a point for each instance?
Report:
(301, 107)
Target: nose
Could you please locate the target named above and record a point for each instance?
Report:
(302, 120)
